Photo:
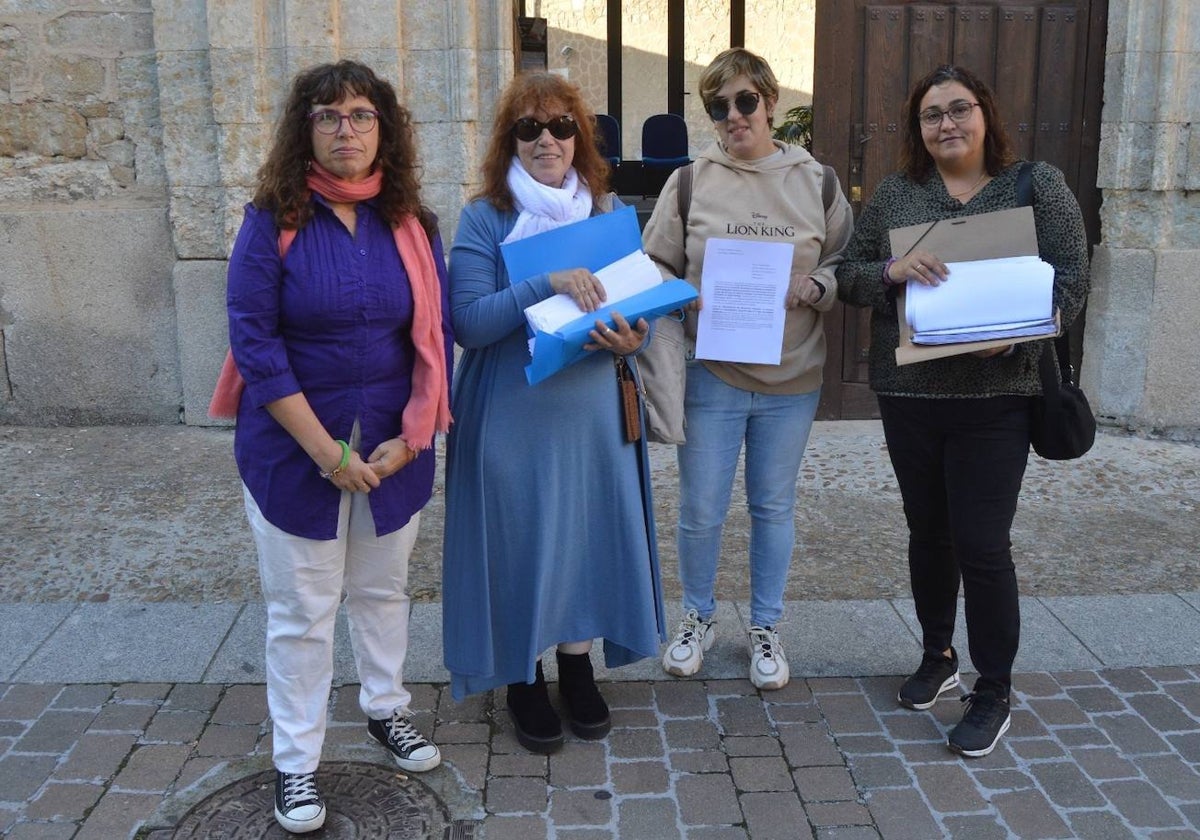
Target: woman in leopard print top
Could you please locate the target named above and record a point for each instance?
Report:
(957, 428)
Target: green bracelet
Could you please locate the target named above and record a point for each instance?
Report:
(341, 464)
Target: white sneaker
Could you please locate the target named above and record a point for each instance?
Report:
(685, 653)
(768, 665)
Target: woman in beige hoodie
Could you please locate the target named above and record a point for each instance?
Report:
(747, 186)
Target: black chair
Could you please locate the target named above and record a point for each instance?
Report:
(608, 139)
(664, 149)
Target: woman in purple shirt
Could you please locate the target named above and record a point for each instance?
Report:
(336, 297)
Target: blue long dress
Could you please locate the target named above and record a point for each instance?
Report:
(549, 531)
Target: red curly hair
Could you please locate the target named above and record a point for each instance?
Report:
(554, 95)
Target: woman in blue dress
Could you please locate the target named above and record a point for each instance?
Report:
(549, 525)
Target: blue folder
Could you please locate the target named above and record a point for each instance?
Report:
(554, 351)
(591, 243)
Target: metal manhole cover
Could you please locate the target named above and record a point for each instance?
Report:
(362, 801)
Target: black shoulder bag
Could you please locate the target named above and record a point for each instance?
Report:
(1061, 425)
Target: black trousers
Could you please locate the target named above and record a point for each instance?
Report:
(959, 464)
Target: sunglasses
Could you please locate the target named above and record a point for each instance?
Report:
(527, 129)
(746, 103)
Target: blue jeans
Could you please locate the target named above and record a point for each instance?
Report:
(775, 428)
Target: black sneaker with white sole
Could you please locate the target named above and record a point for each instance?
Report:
(299, 807)
(986, 718)
(936, 676)
(412, 750)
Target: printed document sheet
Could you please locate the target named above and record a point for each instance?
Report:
(743, 286)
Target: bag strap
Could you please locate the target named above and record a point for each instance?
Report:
(1025, 184)
(1062, 344)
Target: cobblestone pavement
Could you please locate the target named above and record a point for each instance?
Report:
(1091, 754)
(131, 647)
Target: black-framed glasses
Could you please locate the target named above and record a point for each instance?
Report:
(527, 129)
(330, 122)
(746, 103)
(959, 112)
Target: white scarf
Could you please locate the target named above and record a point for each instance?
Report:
(544, 208)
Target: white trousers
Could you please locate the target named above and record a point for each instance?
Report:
(302, 582)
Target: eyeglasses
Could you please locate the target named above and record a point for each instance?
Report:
(746, 103)
(527, 129)
(330, 122)
(958, 112)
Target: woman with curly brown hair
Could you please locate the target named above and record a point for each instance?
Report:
(337, 293)
(549, 535)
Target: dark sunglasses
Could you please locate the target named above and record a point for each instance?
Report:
(527, 129)
(746, 103)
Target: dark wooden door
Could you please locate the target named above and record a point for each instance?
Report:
(1044, 59)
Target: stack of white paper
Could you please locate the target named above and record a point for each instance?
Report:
(624, 278)
(983, 300)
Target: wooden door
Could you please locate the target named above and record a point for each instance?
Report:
(1044, 59)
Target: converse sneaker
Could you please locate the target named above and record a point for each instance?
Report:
(408, 746)
(768, 665)
(936, 676)
(685, 653)
(299, 807)
(984, 721)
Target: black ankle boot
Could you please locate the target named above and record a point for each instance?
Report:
(537, 726)
(586, 710)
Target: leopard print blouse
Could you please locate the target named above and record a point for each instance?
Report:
(898, 202)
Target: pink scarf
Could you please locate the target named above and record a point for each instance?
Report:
(428, 408)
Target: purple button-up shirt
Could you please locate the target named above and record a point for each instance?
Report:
(333, 321)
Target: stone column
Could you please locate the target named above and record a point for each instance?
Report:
(225, 67)
(1140, 350)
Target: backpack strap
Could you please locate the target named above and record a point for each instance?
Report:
(684, 194)
(828, 186)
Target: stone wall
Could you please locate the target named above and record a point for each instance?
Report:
(130, 134)
(225, 66)
(1140, 350)
(130, 131)
(87, 320)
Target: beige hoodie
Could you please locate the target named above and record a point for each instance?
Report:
(773, 200)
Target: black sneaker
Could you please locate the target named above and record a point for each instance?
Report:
(299, 807)
(412, 750)
(985, 720)
(936, 676)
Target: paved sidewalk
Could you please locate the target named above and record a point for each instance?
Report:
(131, 667)
(156, 706)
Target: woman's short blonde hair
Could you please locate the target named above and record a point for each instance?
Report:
(734, 62)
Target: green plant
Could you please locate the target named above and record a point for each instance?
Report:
(797, 127)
